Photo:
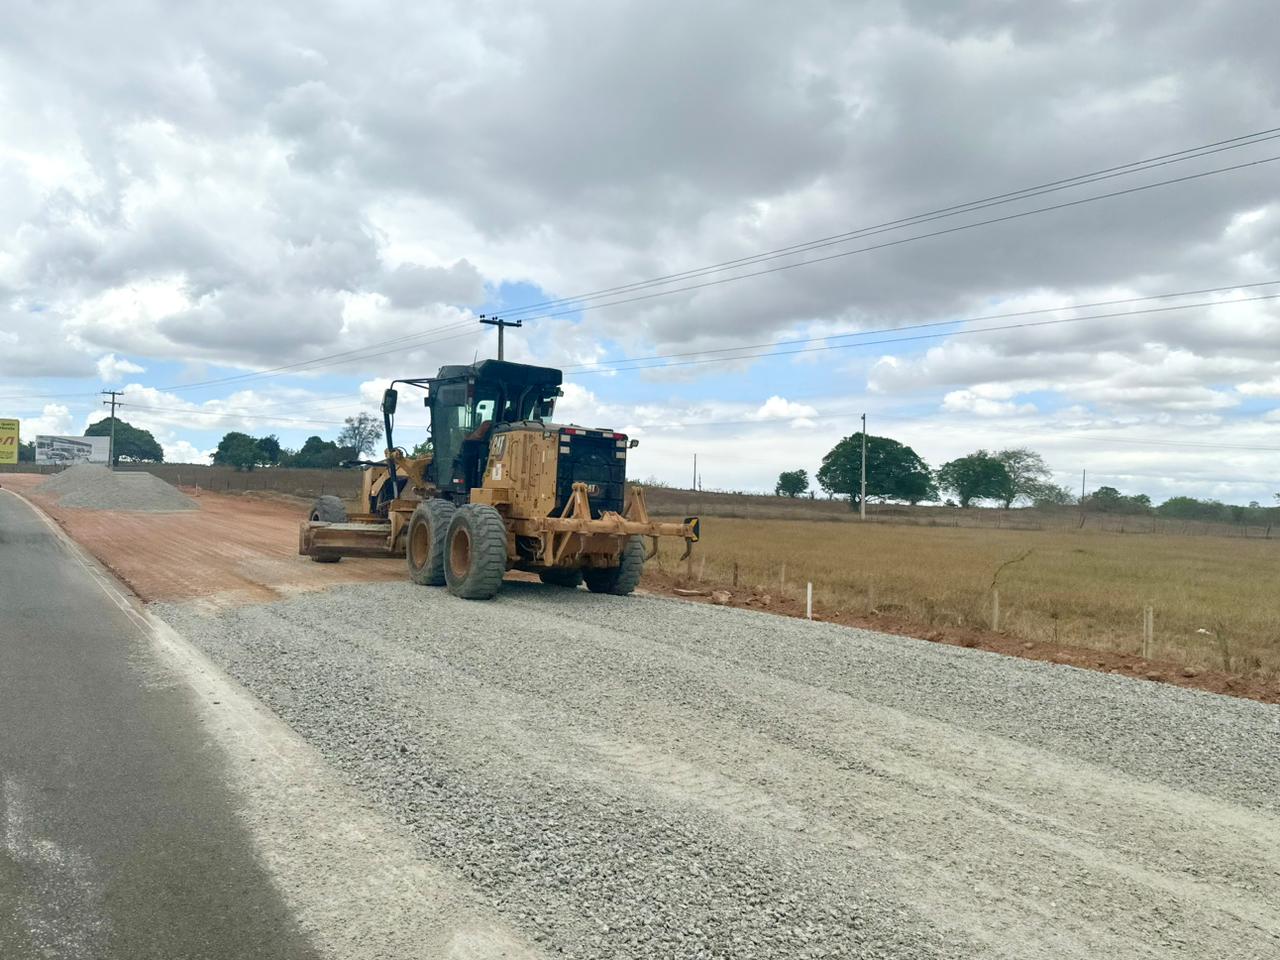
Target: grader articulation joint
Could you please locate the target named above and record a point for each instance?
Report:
(501, 486)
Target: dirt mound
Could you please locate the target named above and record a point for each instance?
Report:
(89, 486)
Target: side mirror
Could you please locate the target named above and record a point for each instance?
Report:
(389, 398)
(633, 444)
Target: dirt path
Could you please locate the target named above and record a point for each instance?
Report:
(234, 549)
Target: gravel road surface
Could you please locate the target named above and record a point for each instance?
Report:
(638, 777)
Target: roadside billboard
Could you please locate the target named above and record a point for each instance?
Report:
(9, 441)
(66, 450)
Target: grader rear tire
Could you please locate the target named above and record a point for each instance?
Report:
(559, 577)
(424, 541)
(327, 509)
(476, 554)
(622, 579)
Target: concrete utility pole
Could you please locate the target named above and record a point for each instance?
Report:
(1083, 474)
(500, 324)
(862, 498)
(695, 471)
(111, 451)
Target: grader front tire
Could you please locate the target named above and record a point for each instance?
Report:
(424, 541)
(476, 557)
(622, 579)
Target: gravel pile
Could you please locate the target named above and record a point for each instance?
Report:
(636, 777)
(90, 486)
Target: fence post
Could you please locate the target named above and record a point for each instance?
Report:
(1148, 629)
(995, 611)
(808, 601)
(782, 579)
(735, 573)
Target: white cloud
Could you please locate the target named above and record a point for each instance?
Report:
(55, 418)
(1260, 388)
(111, 369)
(181, 451)
(970, 401)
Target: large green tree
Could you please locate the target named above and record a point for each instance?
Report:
(239, 450)
(270, 447)
(317, 453)
(1028, 473)
(791, 483)
(894, 471)
(979, 476)
(132, 443)
(26, 452)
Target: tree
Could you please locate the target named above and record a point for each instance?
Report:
(317, 453)
(132, 443)
(423, 447)
(979, 476)
(1045, 494)
(1111, 500)
(1027, 472)
(26, 452)
(360, 433)
(894, 471)
(238, 450)
(791, 483)
(1189, 508)
(269, 446)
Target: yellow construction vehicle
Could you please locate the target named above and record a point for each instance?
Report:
(500, 487)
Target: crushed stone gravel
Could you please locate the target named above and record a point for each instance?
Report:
(89, 486)
(637, 777)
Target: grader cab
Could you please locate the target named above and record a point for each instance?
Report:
(501, 486)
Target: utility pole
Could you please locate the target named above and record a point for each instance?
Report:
(111, 451)
(862, 497)
(501, 325)
(1083, 474)
(695, 471)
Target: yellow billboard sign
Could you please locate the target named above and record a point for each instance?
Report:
(8, 441)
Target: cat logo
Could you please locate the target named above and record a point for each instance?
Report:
(8, 441)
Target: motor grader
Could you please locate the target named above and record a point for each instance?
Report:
(500, 486)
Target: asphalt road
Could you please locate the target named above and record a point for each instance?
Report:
(118, 834)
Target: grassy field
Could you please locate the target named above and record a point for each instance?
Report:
(1083, 588)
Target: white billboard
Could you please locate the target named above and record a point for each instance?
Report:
(72, 449)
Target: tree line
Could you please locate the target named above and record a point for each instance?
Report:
(896, 472)
(1003, 477)
(357, 438)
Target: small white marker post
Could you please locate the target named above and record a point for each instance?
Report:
(995, 611)
(1148, 629)
(808, 602)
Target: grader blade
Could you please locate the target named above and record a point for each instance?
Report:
(316, 539)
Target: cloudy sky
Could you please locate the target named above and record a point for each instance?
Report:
(251, 216)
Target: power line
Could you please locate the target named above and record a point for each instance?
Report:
(1137, 166)
(903, 240)
(930, 336)
(918, 326)
(332, 359)
(187, 411)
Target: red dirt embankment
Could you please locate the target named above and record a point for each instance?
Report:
(233, 549)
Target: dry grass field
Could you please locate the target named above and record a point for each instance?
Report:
(1216, 599)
